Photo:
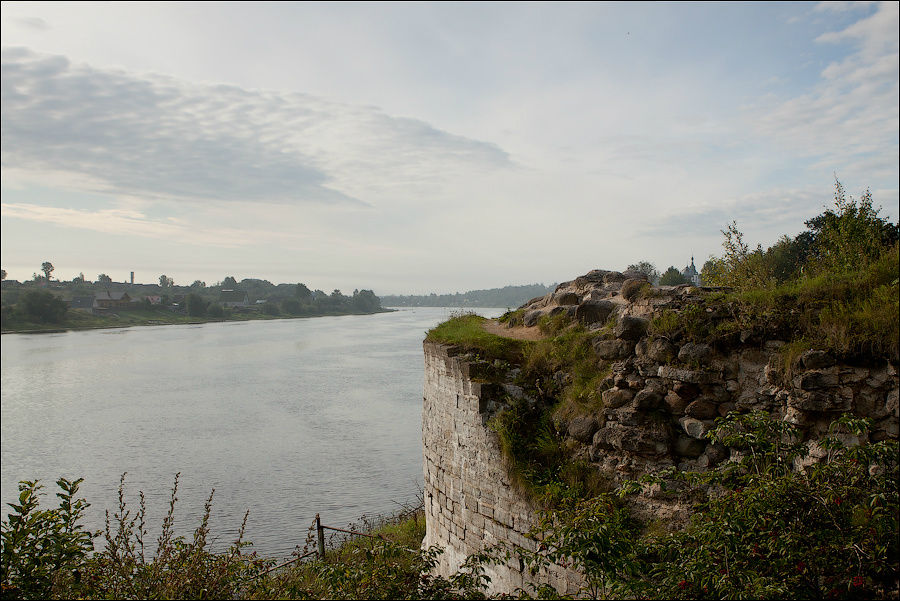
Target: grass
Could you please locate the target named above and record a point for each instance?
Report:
(466, 331)
(852, 314)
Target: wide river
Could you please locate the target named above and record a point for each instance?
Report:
(284, 418)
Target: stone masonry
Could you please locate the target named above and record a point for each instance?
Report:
(469, 502)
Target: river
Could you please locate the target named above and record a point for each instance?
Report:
(284, 418)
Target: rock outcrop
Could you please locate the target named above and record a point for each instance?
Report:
(660, 398)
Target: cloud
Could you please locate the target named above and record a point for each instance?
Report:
(35, 23)
(775, 210)
(851, 116)
(159, 137)
(123, 222)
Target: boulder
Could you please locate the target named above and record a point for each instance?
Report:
(566, 298)
(813, 359)
(685, 446)
(701, 409)
(696, 428)
(651, 438)
(631, 328)
(686, 390)
(594, 311)
(820, 401)
(695, 353)
(616, 397)
(813, 380)
(531, 317)
(661, 350)
(687, 375)
(582, 428)
(612, 350)
(674, 404)
(648, 398)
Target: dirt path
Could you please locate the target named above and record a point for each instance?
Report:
(492, 326)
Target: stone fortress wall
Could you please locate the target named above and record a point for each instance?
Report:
(661, 399)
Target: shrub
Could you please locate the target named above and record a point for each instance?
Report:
(42, 306)
(43, 548)
(764, 528)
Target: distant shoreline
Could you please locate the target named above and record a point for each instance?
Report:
(58, 329)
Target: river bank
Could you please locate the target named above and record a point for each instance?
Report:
(81, 321)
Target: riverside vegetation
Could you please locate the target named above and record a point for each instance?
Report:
(784, 517)
(43, 305)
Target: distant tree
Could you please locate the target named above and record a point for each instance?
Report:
(215, 310)
(104, 279)
(270, 308)
(78, 279)
(291, 306)
(302, 292)
(229, 283)
(196, 306)
(42, 306)
(165, 281)
(198, 284)
(365, 300)
(47, 267)
(647, 268)
(672, 277)
(2, 274)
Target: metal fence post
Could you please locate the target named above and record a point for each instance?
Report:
(320, 531)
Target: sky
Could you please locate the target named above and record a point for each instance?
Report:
(420, 147)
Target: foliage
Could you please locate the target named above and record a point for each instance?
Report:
(766, 528)
(42, 306)
(647, 268)
(47, 268)
(672, 277)
(270, 308)
(852, 313)
(508, 296)
(46, 554)
(196, 305)
(849, 237)
(42, 549)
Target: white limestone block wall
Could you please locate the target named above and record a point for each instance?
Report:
(469, 502)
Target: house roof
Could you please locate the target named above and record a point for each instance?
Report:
(112, 295)
(233, 296)
(82, 302)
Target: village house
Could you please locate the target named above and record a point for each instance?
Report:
(234, 298)
(109, 299)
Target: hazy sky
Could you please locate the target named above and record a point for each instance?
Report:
(411, 148)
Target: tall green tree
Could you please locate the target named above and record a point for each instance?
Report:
(196, 306)
(647, 268)
(672, 277)
(47, 267)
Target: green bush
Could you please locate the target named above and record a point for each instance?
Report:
(43, 549)
(764, 528)
(42, 306)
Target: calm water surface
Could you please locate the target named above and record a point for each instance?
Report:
(285, 418)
